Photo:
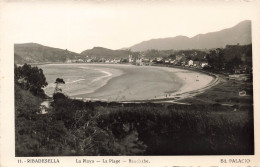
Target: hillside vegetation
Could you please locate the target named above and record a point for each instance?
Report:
(35, 53)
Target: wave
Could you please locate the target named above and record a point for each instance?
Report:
(108, 74)
(75, 81)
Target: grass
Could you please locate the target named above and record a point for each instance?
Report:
(225, 93)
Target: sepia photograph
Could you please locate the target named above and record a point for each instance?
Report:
(132, 78)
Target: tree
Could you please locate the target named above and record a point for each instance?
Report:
(233, 63)
(58, 81)
(30, 78)
(172, 56)
(216, 59)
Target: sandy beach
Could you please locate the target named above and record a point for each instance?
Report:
(193, 83)
(115, 82)
(148, 82)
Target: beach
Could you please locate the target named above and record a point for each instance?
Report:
(113, 82)
(137, 83)
(194, 82)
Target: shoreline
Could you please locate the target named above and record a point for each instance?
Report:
(183, 95)
(132, 85)
(183, 77)
(174, 95)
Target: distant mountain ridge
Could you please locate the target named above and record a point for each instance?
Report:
(101, 52)
(240, 33)
(35, 53)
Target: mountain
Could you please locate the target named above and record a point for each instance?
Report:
(240, 33)
(36, 53)
(101, 52)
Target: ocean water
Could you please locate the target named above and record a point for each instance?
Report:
(78, 78)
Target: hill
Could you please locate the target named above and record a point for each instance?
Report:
(240, 33)
(100, 52)
(36, 53)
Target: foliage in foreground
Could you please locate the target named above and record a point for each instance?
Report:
(30, 78)
(74, 127)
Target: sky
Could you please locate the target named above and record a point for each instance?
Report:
(81, 25)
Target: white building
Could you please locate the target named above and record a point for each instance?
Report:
(80, 61)
(139, 62)
(69, 61)
(89, 60)
(116, 60)
(190, 63)
(166, 61)
(130, 59)
(203, 64)
(172, 61)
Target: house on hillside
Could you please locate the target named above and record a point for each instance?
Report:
(159, 59)
(80, 61)
(116, 60)
(204, 63)
(68, 61)
(190, 63)
(130, 59)
(172, 61)
(139, 62)
(89, 60)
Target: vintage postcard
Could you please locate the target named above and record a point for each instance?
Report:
(129, 83)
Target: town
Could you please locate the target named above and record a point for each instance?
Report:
(141, 60)
(233, 59)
